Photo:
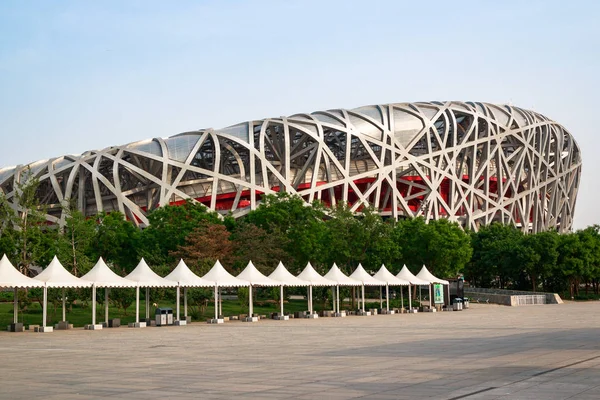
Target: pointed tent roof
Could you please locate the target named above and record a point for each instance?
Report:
(283, 276)
(335, 274)
(145, 277)
(186, 278)
(408, 276)
(363, 276)
(221, 277)
(11, 277)
(55, 275)
(385, 275)
(309, 274)
(102, 276)
(428, 276)
(255, 277)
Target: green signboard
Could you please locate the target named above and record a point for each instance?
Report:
(438, 293)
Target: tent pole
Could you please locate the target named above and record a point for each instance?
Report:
(185, 302)
(363, 298)
(45, 306)
(310, 310)
(387, 298)
(216, 302)
(178, 301)
(250, 300)
(380, 297)
(220, 302)
(64, 305)
(430, 299)
(93, 304)
(137, 304)
(281, 300)
(16, 307)
(337, 297)
(402, 298)
(147, 302)
(106, 305)
(409, 299)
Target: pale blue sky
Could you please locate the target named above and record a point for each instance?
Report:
(77, 75)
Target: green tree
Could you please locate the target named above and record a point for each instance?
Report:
(169, 227)
(116, 241)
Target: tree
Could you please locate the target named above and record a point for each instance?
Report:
(264, 249)
(169, 226)
(75, 241)
(539, 265)
(206, 244)
(302, 225)
(116, 241)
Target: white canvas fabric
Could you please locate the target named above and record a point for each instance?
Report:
(143, 276)
(10, 277)
(310, 275)
(255, 277)
(221, 277)
(385, 275)
(428, 276)
(285, 278)
(102, 276)
(186, 278)
(365, 279)
(336, 275)
(408, 276)
(56, 276)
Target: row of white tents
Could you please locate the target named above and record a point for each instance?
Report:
(101, 276)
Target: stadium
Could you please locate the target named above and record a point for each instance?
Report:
(473, 163)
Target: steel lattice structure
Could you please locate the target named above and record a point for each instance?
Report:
(474, 163)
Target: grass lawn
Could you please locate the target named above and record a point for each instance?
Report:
(80, 314)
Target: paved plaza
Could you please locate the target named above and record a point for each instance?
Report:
(486, 352)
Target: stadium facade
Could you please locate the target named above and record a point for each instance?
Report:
(473, 163)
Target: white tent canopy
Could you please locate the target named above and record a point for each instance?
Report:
(102, 276)
(285, 278)
(335, 274)
(56, 276)
(309, 274)
(221, 277)
(313, 278)
(11, 278)
(408, 276)
(341, 279)
(143, 276)
(186, 278)
(384, 275)
(363, 276)
(256, 278)
(428, 276)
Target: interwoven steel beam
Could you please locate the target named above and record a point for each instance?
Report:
(474, 163)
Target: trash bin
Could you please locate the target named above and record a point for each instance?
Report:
(465, 303)
(458, 304)
(169, 316)
(162, 316)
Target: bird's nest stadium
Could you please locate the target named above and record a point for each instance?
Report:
(470, 162)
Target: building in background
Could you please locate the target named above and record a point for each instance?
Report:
(473, 163)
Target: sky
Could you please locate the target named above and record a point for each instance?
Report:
(82, 75)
